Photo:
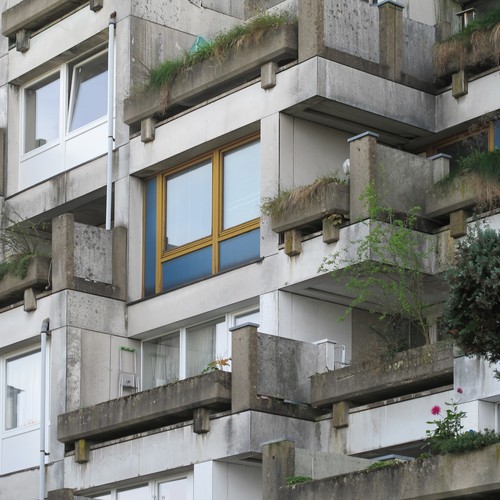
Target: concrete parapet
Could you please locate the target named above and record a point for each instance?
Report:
(278, 464)
(400, 180)
(412, 370)
(146, 410)
(88, 258)
(443, 476)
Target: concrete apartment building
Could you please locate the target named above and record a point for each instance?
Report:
(158, 264)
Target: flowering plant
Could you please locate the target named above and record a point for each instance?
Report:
(448, 425)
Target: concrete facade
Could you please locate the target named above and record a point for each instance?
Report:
(170, 374)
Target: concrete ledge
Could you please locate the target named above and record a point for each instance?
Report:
(417, 369)
(148, 409)
(34, 14)
(13, 287)
(332, 199)
(211, 77)
(474, 473)
(459, 194)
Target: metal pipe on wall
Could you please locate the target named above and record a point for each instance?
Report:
(43, 389)
(111, 100)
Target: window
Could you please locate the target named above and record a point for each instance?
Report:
(175, 488)
(209, 217)
(88, 96)
(41, 115)
(20, 416)
(188, 351)
(64, 119)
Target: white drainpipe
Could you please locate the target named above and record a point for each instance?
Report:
(43, 389)
(111, 100)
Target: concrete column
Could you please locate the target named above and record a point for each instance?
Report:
(244, 368)
(119, 261)
(311, 28)
(391, 37)
(440, 166)
(63, 247)
(3, 170)
(363, 156)
(278, 464)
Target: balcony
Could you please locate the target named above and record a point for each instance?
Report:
(210, 77)
(414, 370)
(444, 476)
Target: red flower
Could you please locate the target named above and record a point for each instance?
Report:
(436, 410)
(460, 390)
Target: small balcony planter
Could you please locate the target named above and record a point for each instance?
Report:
(477, 184)
(475, 49)
(416, 369)
(147, 410)
(12, 286)
(308, 205)
(205, 79)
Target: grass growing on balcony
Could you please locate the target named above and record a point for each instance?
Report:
(475, 45)
(294, 200)
(162, 77)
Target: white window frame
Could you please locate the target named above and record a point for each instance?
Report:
(20, 431)
(153, 486)
(222, 340)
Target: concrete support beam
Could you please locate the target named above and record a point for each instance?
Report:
(441, 166)
(244, 366)
(391, 37)
(148, 128)
(23, 38)
(458, 223)
(278, 464)
(3, 170)
(268, 75)
(340, 414)
(96, 5)
(311, 27)
(82, 451)
(293, 242)
(63, 247)
(201, 420)
(29, 300)
(363, 155)
(331, 230)
(459, 84)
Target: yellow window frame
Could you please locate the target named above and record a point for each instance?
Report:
(218, 234)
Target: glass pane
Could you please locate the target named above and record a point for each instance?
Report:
(42, 113)
(250, 317)
(496, 135)
(188, 268)
(464, 147)
(241, 185)
(173, 490)
(150, 236)
(89, 91)
(189, 205)
(161, 361)
(239, 250)
(200, 348)
(22, 392)
(140, 493)
(107, 496)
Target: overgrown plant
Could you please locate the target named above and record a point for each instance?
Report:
(476, 44)
(472, 311)
(469, 441)
(20, 240)
(162, 77)
(295, 200)
(448, 424)
(385, 269)
(217, 364)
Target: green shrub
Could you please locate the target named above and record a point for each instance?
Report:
(298, 479)
(472, 311)
(469, 441)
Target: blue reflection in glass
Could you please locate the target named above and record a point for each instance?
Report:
(187, 268)
(150, 237)
(239, 250)
(496, 135)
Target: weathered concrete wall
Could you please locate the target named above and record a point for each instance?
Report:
(352, 27)
(419, 40)
(437, 477)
